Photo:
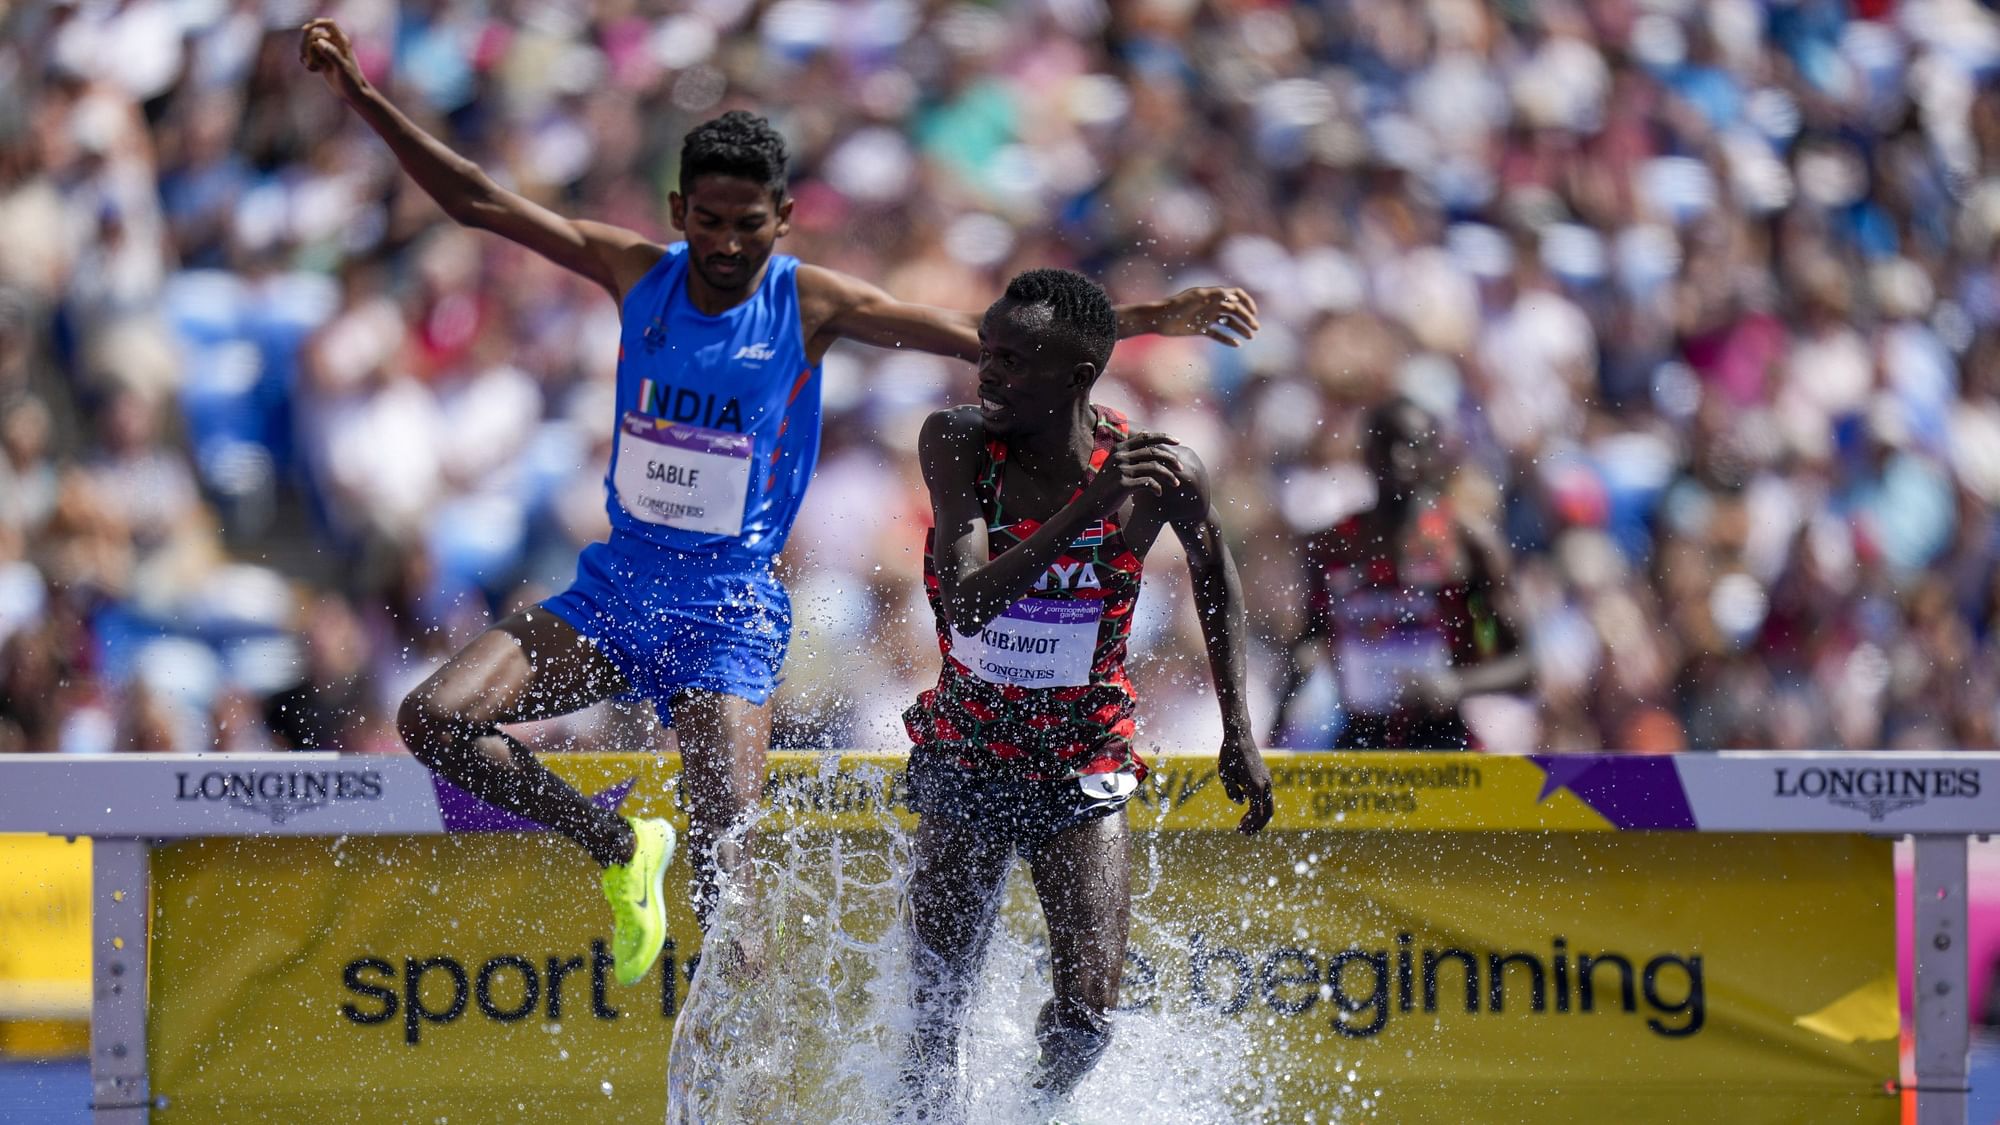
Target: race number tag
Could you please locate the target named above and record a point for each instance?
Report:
(1038, 643)
(683, 476)
(1372, 673)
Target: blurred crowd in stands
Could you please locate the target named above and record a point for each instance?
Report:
(1708, 292)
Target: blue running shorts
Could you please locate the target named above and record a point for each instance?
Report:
(672, 621)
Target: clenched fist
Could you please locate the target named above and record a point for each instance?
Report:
(325, 49)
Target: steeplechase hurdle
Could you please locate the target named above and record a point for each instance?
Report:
(1761, 833)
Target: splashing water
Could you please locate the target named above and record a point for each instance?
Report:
(814, 1032)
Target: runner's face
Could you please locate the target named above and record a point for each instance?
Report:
(1407, 450)
(731, 224)
(1029, 376)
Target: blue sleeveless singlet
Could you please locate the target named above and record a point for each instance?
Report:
(718, 430)
(732, 392)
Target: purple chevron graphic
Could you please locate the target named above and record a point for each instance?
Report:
(1633, 792)
(463, 812)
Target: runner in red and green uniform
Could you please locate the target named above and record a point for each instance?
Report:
(1045, 506)
(994, 706)
(1409, 598)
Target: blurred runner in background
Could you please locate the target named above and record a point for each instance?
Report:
(1409, 599)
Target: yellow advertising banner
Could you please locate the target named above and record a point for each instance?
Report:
(1564, 975)
(44, 930)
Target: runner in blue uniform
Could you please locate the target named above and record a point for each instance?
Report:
(718, 430)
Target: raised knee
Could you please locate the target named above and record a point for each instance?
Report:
(431, 727)
(419, 725)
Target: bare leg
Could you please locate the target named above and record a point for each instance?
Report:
(531, 666)
(1084, 879)
(724, 740)
(954, 897)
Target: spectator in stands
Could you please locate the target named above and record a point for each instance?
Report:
(1710, 292)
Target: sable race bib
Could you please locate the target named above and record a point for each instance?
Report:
(1036, 643)
(683, 476)
(1372, 673)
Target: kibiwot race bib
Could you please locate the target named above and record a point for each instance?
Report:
(1036, 643)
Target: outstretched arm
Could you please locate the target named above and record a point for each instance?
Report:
(613, 257)
(1218, 599)
(976, 589)
(1222, 313)
(845, 307)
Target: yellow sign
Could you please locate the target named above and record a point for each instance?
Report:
(1413, 975)
(1348, 792)
(1363, 792)
(1559, 977)
(44, 928)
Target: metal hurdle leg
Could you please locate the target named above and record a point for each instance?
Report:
(1943, 1035)
(119, 870)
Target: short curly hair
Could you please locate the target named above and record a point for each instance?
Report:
(740, 144)
(1081, 311)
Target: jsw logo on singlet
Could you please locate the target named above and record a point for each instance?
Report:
(1075, 576)
(756, 353)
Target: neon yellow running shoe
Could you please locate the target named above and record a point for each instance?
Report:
(638, 904)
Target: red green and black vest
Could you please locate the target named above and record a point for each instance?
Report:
(1390, 610)
(1041, 692)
